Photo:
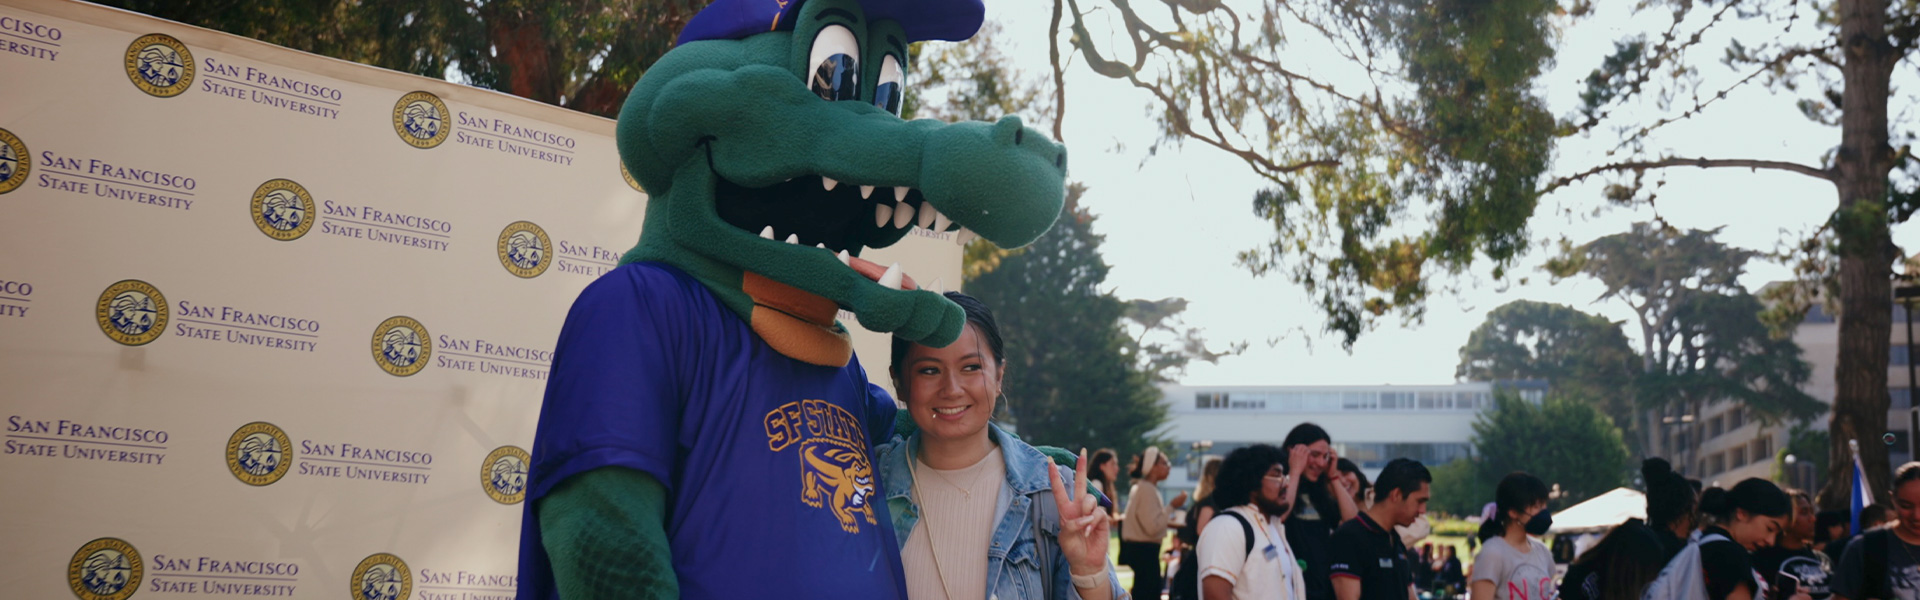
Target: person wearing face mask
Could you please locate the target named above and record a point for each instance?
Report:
(1511, 565)
(1746, 518)
(962, 492)
(1882, 564)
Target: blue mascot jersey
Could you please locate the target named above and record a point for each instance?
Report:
(766, 459)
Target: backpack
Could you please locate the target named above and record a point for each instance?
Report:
(1683, 577)
(1185, 584)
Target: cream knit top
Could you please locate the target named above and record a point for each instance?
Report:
(957, 524)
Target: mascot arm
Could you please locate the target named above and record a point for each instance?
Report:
(605, 532)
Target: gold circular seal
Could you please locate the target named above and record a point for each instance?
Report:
(382, 577)
(105, 569)
(15, 162)
(504, 474)
(628, 175)
(525, 250)
(132, 312)
(160, 65)
(421, 119)
(259, 453)
(283, 209)
(401, 346)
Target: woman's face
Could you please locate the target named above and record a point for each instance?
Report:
(1111, 469)
(1906, 506)
(1754, 531)
(950, 391)
(1319, 459)
(1160, 469)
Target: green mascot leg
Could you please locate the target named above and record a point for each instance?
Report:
(605, 532)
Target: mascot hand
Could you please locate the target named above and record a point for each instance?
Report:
(917, 316)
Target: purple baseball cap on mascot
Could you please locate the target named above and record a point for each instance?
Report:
(946, 20)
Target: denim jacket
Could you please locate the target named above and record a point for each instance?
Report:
(1013, 567)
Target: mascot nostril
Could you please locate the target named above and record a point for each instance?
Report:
(705, 415)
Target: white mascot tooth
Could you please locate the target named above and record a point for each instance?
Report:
(828, 182)
(891, 280)
(902, 215)
(866, 191)
(882, 214)
(767, 233)
(900, 193)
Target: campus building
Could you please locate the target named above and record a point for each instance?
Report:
(1722, 442)
(1370, 424)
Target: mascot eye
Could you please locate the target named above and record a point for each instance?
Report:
(836, 73)
(889, 93)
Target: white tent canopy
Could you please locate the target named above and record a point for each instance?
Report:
(1601, 512)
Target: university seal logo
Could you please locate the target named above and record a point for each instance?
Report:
(105, 569)
(382, 577)
(132, 312)
(834, 471)
(282, 209)
(160, 65)
(421, 120)
(15, 162)
(525, 250)
(259, 453)
(631, 182)
(401, 346)
(504, 474)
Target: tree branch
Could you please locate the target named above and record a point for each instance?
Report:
(1703, 163)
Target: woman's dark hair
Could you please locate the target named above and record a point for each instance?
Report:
(1100, 457)
(1241, 473)
(1670, 497)
(1304, 433)
(1518, 491)
(1755, 495)
(1628, 559)
(1316, 492)
(977, 315)
(1347, 466)
(1907, 473)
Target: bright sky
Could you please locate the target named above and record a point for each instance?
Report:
(1174, 223)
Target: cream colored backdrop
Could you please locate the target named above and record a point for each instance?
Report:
(354, 343)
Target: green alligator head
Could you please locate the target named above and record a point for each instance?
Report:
(771, 162)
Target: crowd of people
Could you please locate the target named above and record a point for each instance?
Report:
(980, 513)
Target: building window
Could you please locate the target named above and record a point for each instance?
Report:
(1897, 355)
(1714, 427)
(1209, 400)
(1247, 404)
(1901, 398)
(1763, 448)
(1737, 457)
(1716, 464)
(1736, 419)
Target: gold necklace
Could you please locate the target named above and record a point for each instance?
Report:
(932, 547)
(965, 492)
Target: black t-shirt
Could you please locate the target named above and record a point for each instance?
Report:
(1809, 566)
(1364, 550)
(1309, 530)
(1727, 566)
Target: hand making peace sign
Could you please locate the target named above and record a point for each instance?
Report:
(1083, 524)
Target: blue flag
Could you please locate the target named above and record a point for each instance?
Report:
(1862, 497)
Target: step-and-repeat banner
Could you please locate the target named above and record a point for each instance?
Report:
(273, 324)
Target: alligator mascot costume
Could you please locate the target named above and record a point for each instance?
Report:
(707, 431)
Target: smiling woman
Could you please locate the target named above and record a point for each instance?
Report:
(960, 486)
